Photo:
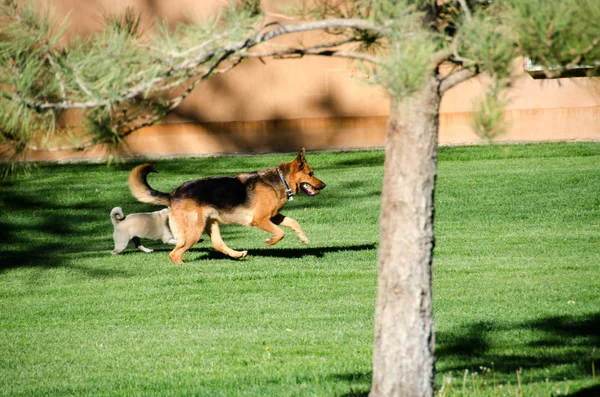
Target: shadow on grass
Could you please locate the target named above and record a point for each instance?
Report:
(374, 158)
(559, 342)
(593, 391)
(359, 383)
(318, 252)
(42, 223)
(288, 253)
(356, 393)
(564, 342)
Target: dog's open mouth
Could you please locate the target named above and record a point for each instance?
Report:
(309, 189)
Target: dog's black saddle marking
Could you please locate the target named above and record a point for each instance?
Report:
(219, 192)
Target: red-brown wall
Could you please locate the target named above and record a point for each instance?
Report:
(321, 103)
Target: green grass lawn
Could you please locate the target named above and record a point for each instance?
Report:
(516, 282)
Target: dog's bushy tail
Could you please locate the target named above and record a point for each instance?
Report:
(142, 191)
(116, 215)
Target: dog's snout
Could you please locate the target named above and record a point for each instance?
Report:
(322, 185)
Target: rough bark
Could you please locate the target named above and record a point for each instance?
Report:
(403, 359)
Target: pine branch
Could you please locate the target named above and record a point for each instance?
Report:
(81, 85)
(150, 120)
(204, 57)
(466, 10)
(59, 78)
(66, 148)
(455, 78)
(337, 23)
(312, 51)
(176, 101)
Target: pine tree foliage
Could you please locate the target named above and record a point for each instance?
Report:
(117, 78)
(123, 78)
(558, 35)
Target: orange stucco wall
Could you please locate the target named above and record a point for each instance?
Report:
(321, 103)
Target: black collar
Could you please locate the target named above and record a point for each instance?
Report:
(288, 191)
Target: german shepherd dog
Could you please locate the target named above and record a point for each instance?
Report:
(249, 199)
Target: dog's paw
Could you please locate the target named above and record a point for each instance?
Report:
(273, 240)
(303, 239)
(239, 254)
(176, 259)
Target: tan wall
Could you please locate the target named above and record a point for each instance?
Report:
(539, 110)
(321, 103)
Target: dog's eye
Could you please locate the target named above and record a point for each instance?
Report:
(311, 173)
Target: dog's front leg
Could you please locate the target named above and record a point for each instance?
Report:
(169, 239)
(268, 226)
(214, 231)
(138, 245)
(293, 224)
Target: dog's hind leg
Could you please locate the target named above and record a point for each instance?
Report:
(168, 238)
(266, 225)
(178, 225)
(177, 253)
(138, 245)
(293, 224)
(187, 227)
(214, 231)
(121, 243)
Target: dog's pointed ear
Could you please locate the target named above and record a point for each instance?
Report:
(301, 158)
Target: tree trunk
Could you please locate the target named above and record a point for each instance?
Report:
(403, 357)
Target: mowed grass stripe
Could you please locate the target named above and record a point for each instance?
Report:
(516, 282)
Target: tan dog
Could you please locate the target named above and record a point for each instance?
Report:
(251, 199)
(150, 225)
